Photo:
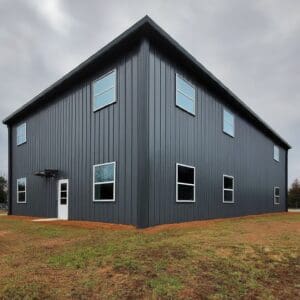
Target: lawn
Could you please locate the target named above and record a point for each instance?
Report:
(241, 258)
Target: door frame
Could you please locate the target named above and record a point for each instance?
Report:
(60, 181)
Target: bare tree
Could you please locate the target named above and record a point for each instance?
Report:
(294, 195)
(3, 190)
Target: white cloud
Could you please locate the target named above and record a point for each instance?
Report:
(54, 13)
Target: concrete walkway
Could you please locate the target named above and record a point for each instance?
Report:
(45, 220)
(294, 210)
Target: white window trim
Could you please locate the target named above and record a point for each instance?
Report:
(25, 192)
(181, 92)
(232, 190)
(277, 160)
(25, 126)
(99, 183)
(276, 203)
(224, 121)
(187, 184)
(115, 91)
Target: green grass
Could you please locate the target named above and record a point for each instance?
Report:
(256, 257)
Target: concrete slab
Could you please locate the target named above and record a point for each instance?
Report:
(45, 220)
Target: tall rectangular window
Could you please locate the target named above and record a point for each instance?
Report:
(276, 195)
(21, 134)
(104, 90)
(185, 95)
(276, 153)
(228, 189)
(21, 190)
(228, 122)
(185, 183)
(104, 182)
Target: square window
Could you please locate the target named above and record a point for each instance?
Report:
(228, 189)
(104, 182)
(185, 183)
(104, 90)
(185, 95)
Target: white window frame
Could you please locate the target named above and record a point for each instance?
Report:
(274, 157)
(187, 184)
(105, 182)
(232, 190)
(115, 90)
(181, 92)
(233, 115)
(25, 126)
(276, 203)
(25, 192)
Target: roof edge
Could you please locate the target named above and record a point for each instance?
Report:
(146, 21)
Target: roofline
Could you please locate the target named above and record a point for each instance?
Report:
(138, 27)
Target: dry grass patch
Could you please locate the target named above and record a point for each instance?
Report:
(240, 258)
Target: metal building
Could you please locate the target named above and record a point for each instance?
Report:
(141, 133)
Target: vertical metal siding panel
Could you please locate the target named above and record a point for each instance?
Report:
(122, 145)
(151, 139)
(134, 182)
(200, 141)
(128, 142)
(66, 134)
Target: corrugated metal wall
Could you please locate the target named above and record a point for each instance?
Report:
(67, 135)
(176, 136)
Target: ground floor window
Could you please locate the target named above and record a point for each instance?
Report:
(276, 195)
(104, 182)
(228, 189)
(21, 190)
(185, 183)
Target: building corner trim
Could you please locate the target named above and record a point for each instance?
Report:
(143, 135)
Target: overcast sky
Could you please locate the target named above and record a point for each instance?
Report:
(253, 47)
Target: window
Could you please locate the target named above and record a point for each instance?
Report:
(228, 189)
(21, 134)
(104, 182)
(276, 195)
(21, 190)
(228, 122)
(104, 90)
(185, 183)
(185, 95)
(276, 153)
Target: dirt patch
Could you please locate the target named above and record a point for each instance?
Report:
(91, 225)
(14, 217)
(3, 233)
(204, 223)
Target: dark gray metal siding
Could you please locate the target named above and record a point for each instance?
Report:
(67, 135)
(176, 136)
(146, 134)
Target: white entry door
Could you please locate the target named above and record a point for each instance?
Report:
(63, 199)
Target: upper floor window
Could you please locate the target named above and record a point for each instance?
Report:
(228, 122)
(21, 190)
(21, 134)
(276, 153)
(228, 189)
(185, 183)
(104, 182)
(276, 195)
(185, 95)
(104, 90)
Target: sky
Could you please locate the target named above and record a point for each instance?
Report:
(253, 47)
